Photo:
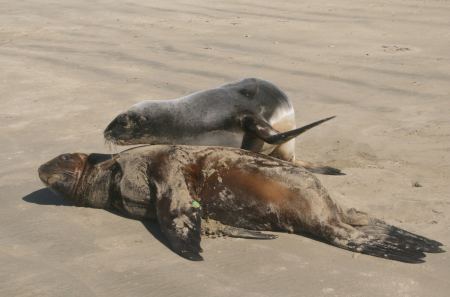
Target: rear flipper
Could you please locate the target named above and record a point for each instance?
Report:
(214, 228)
(257, 129)
(385, 241)
(320, 169)
(256, 125)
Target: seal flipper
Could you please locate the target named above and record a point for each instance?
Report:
(259, 131)
(212, 227)
(317, 168)
(376, 238)
(179, 218)
(245, 233)
(262, 129)
(252, 143)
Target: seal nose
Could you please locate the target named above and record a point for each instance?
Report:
(107, 134)
(112, 131)
(43, 173)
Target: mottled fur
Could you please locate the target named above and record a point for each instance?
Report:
(234, 192)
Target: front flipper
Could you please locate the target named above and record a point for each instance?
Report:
(212, 227)
(245, 233)
(262, 129)
(179, 218)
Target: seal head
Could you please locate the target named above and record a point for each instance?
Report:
(72, 176)
(128, 128)
(63, 173)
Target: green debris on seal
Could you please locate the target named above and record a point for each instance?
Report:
(195, 204)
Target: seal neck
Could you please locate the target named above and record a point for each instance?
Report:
(96, 185)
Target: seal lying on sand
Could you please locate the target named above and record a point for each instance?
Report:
(225, 190)
(251, 114)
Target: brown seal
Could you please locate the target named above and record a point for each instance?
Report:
(223, 190)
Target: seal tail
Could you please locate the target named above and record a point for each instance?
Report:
(385, 241)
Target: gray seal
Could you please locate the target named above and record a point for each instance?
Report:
(252, 114)
(193, 190)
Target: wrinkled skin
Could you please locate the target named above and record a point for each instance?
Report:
(195, 190)
(251, 114)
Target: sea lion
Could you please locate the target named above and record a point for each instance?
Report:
(235, 192)
(252, 114)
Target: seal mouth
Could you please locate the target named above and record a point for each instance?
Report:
(107, 134)
(115, 141)
(111, 138)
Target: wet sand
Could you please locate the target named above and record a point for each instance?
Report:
(383, 67)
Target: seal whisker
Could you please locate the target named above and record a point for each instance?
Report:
(111, 146)
(68, 173)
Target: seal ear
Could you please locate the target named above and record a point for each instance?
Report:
(259, 127)
(249, 88)
(179, 217)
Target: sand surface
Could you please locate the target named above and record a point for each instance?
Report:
(383, 67)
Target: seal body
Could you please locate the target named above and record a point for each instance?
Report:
(251, 114)
(237, 192)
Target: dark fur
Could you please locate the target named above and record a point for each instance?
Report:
(187, 189)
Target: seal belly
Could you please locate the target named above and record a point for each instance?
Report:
(247, 198)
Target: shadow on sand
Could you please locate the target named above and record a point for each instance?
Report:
(45, 196)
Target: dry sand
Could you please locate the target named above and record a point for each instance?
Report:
(383, 67)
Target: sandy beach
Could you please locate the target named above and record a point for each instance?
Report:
(382, 67)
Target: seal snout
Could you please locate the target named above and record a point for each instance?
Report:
(124, 129)
(44, 173)
(117, 128)
(108, 133)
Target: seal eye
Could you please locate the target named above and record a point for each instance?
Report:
(124, 121)
(247, 92)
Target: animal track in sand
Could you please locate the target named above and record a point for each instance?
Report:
(395, 49)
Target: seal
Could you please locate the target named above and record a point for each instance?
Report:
(252, 114)
(189, 190)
